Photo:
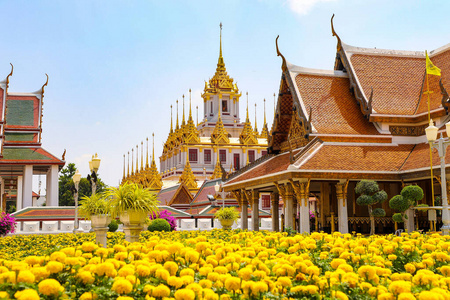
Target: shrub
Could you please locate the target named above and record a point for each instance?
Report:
(227, 213)
(408, 197)
(378, 212)
(413, 193)
(113, 226)
(7, 224)
(166, 215)
(370, 194)
(159, 225)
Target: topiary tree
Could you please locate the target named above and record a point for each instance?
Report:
(408, 198)
(371, 195)
(159, 225)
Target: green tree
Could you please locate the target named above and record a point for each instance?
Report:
(408, 197)
(67, 188)
(370, 195)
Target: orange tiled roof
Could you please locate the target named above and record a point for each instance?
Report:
(334, 108)
(420, 158)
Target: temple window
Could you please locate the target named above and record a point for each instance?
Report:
(251, 155)
(223, 155)
(193, 155)
(224, 106)
(207, 154)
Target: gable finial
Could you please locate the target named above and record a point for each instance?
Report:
(183, 122)
(177, 127)
(146, 159)
(284, 65)
(128, 167)
(339, 45)
(171, 121)
(7, 77)
(153, 151)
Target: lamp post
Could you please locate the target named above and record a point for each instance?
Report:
(441, 145)
(94, 164)
(217, 189)
(76, 180)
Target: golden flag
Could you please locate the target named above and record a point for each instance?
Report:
(432, 69)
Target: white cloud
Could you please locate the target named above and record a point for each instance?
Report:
(302, 7)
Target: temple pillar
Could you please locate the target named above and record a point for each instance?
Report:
(275, 202)
(244, 211)
(289, 207)
(52, 191)
(27, 188)
(302, 194)
(19, 200)
(341, 194)
(255, 210)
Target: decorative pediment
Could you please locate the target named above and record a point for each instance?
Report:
(188, 178)
(220, 135)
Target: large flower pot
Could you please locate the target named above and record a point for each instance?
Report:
(99, 224)
(226, 223)
(132, 224)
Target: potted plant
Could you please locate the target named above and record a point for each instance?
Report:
(132, 203)
(97, 209)
(227, 216)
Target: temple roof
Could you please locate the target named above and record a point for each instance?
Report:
(29, 155)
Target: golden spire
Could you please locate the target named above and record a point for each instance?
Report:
(132, 161)
(177, 127)
(128, 168)
(220, 63)
(217, 173)
(265, 130)
(197, 114)
(183, 122)
(219, 135)
(188, 178)
(256, 126)
(171, 121)
(137, 159)
(142, 155)
(123, 177)
(190, 110)
(248, 135)
(247, 119)
(153, 153)
(274, 106)
(146, 158)
(154, 177)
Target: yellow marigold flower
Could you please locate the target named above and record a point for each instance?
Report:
(72, 261)
(429, 295)
(399, 287)
(205, 283)
(88, 296)
(86, 277)
(259, 287)
(175, 282)
(40, 273)
(184, 294)
(213, 276)
(392, 256)
(102, 252)
(88, 246)
(335, 263)
(125, 271)
(124, 298)
(367, 272)
(69, 251)
(58, 256)
(121, 255)
(50, 287)
(5, 295)
(161, 291)
(188, 279)
(188, 272)
(175, 247)
(284, 281)
(410, 268)
(54, 267)
(359, 250)
(162, 274)
(122, 286)
(386, 296)
(27, 294)
(244, 273)
(346, 268)
(119, 248)
(143, 271)
(192, 256)
(26, 276)
(233, 284)
(106, 269)
(406, 296)
(172, 267)
(34, 260)
(339, 295)
(313, 270)
(8, 277)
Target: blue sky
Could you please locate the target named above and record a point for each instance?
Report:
(115, 67)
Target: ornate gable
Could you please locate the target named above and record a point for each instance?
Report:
(188, 178)
(220, 135)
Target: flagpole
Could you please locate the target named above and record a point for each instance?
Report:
(432, 223)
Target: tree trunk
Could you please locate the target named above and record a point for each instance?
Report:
(372, 220)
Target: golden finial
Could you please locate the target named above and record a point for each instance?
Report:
(171, 122)
(7, 77)
(123, 178)
(247, 120)
(274, 105)
(183, 122)
(190, 110)
(256, 126)
(339, 44)
(153, 153)
(284, 65)
(220, 63)
(146, 159)
(128, 168)
(265, 111)
(137, 159)
(197, 114)
(132, 161)
(142, 155)
(176, 128)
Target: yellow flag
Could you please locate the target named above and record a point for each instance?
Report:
(432, 69)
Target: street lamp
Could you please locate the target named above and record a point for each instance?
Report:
(94, 164)
(217, 189)
(76, 180)
(441, 145)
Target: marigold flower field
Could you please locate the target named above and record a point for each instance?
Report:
(226, 265)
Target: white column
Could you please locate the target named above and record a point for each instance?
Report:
(341, 194)
(19, 203)
(304, 207)
(52, 188)
(27, 188)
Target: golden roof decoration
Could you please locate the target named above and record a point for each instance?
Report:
(188, 178)
(221, 82)
(218, 173)
(265, 130)
(256, 126)
(220, 135)
(153, 178)
(248, 135)
(190, 133)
